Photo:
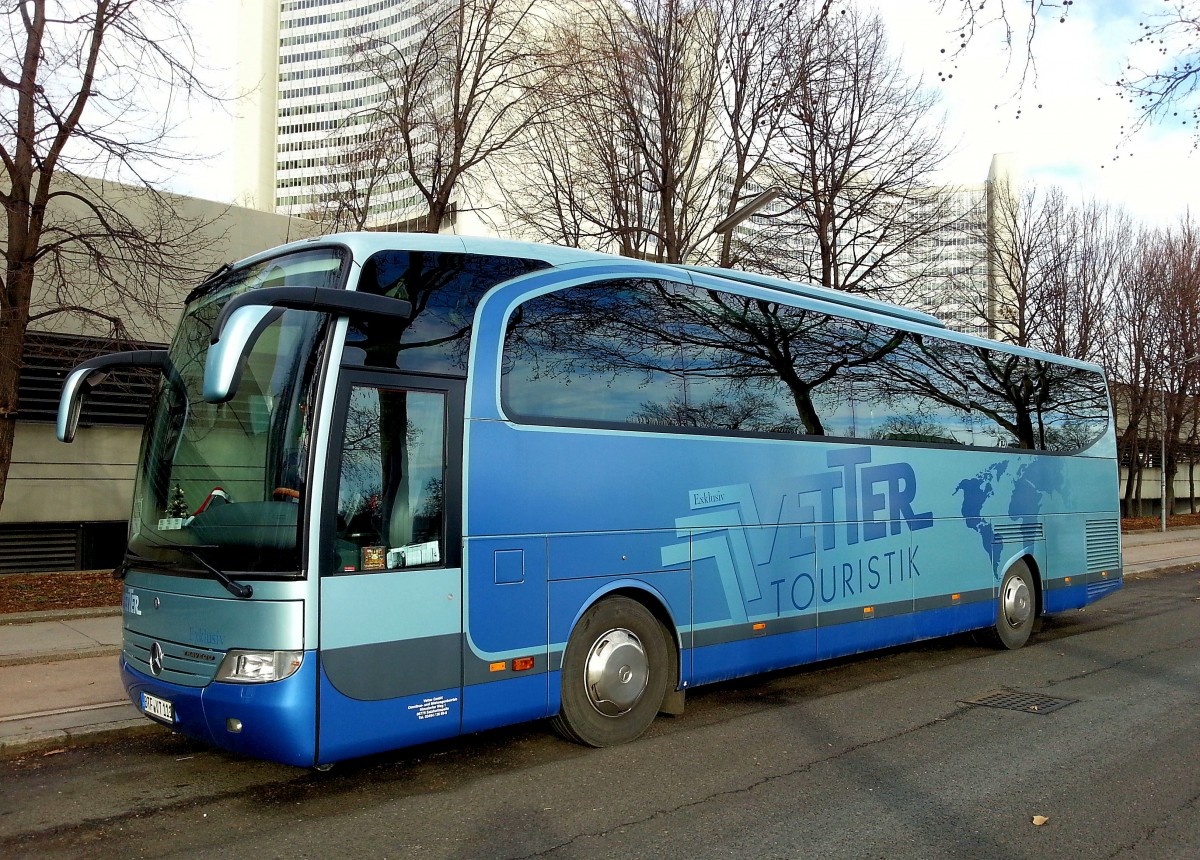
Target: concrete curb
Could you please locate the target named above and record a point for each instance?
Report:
(56, 656)
(43, 742)
(1165, 570)
(58, 615)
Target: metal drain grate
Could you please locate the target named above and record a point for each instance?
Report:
(1015, 700)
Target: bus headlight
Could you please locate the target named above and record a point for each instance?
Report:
(258, 667)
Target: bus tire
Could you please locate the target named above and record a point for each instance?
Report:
(1016, 608)
(614, 674)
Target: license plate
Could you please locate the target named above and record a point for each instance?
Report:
(159, 709)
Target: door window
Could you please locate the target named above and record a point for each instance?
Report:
(391, 509)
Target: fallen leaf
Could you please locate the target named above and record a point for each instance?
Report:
(54, 752)
(1039, 820)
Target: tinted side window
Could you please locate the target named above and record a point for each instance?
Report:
(605, 353)
(444, 290)
(644, 353)
(786, 369)
(918, 393)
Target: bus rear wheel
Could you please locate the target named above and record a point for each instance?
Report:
(614, 674)
(1016, 609)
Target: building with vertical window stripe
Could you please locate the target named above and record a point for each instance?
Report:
(309, 101)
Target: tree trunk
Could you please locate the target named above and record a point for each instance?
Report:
(1191, 467)
(12, 346)
(14, 317)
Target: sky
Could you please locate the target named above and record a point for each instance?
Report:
(1067, 125)
(1063, 127)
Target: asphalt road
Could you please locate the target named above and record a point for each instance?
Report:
(872, 757)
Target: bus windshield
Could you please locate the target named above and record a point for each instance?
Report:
(223, 482)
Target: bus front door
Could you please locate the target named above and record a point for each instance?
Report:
(391, 577)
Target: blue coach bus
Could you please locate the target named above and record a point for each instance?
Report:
(396, 488)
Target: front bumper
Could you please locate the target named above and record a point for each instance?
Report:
(278, 720)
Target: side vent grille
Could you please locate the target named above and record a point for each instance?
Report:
(1103, 545)
(1018, 533)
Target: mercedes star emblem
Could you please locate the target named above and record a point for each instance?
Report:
(156, 658)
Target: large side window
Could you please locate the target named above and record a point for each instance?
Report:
(641, 353)
(391, 509)
(1074, 411)
(756, 365)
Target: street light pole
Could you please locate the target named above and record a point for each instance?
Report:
(746, 210)
(1162, 462)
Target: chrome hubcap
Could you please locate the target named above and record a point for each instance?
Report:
(616, 672)
(1018, 605)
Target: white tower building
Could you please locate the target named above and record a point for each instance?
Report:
(307, 101)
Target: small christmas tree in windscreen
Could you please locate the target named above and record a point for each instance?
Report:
(177, 504)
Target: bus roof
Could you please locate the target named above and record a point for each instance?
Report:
(366, 243)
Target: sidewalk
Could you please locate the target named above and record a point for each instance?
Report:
(1143, 552)
(59, 683)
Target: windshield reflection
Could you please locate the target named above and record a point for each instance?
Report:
(227, 479)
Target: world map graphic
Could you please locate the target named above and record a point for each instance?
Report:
(1023, 489)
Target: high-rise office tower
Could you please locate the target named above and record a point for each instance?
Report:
(310, 100)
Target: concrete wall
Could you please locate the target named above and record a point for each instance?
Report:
(92, 479)
(89, 480)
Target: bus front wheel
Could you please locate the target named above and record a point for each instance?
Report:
(1016, 608)
(614, 674)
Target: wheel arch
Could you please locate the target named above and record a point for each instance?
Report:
(656, 604)
(644, 593)
(1035, 573)
(1026, 556)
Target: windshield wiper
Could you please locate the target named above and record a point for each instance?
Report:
(237, 589)
(132, 559)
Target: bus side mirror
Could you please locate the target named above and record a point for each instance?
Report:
(225, 359)
(91, 373)
(245, 316)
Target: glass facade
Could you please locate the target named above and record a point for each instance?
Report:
(322, 98)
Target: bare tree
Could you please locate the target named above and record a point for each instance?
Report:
(74, 91)
(1131, 360)
(671, 113)
(1166, 89)
(1017, 19)
(635, 142)
(863, 142)
(1179, 321)
(1155, 313)
(579, 181)
(439, 109)
(766, 57)
(1052, 266)
(1025, 262)
(1094, 243)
